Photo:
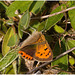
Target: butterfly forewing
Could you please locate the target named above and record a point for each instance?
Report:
(43, 53)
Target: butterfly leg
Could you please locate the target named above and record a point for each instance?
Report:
(32, 28)
(25, 32)
(38, 64)
(29, 64)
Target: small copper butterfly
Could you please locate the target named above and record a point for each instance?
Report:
(35, 47)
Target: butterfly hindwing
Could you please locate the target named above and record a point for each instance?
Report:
(28, 51)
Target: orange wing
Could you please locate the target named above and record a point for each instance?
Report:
(39, 50)
(43, 53)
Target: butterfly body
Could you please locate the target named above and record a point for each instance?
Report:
(35, 47)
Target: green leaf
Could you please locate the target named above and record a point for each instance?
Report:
(13, 40)
(24, 23)
(51, 21)
(63, 61)
(7, 36)
(70, 3)
(36, 6)
(41, 26)
(34, 25)
(71, 60)
(4, 28)
(71, 44)
(72, 17)
(1, 56)
(8, 58)
(58, 29)
(1, 33)
(9, 70)
(18, 5)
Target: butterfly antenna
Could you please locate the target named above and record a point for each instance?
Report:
(43, 30)
(26, 32)
(33, 28)
(38, 64)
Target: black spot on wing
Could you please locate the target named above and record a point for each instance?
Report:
(38, 52)
(49, 51)
(48, 54)
(21, 53)
(45, 49)
(29, 58)
(24, 56)
(41, 54)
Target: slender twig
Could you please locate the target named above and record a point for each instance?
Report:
(54, 13)
(52, 60)
(66, 21)
(2, 20)
(72, 54)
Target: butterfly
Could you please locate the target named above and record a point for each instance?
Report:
(35, 47)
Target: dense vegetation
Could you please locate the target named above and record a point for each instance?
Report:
(17, 18)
